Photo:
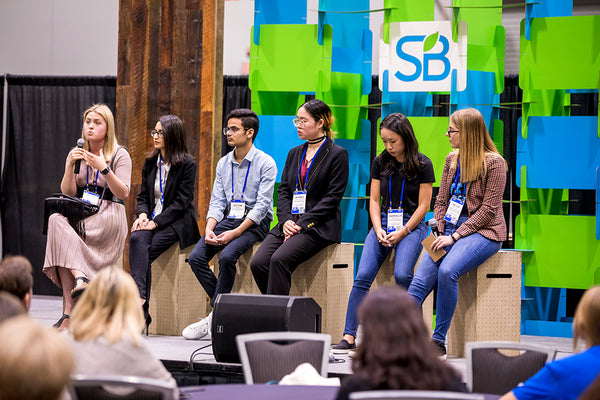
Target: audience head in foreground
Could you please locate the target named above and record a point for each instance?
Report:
(35, 362)
(106, 328)
(10, 306)
(567, 378)
(109, 309)
(16, 277)
(395, 350)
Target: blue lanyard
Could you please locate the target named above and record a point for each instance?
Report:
(390, 191)
(309, 166)
(162, 194)
(245, 181)
(457, 187)
(87, 179)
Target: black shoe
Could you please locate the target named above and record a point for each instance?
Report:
(440, 347)
(58, 323)
(343, 347)
(78, 290)
(147, 316)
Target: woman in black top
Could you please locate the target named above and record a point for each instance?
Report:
(313, 182)
(396, 352)
(165, 208)
(401, 186)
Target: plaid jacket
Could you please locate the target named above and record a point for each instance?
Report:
(484, 200)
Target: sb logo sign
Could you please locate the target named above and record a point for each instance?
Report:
(422, 55)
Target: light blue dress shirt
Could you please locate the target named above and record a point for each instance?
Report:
(259, 187)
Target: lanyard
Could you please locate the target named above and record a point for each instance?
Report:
(245, 181)
(160, 181)
(390, 191)
(456, 189)
(87, 180)
(309, 166)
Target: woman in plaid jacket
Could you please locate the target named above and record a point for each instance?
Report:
(468, 209)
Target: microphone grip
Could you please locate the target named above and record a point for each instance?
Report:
(77, 166)
(434, 231)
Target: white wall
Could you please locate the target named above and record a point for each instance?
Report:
(59, 37)
(80, 37)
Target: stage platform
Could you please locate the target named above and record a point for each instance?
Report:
(176, 352)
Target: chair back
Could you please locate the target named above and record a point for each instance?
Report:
(112, 387)
(489, 371)
(269, 356)
(414, 395)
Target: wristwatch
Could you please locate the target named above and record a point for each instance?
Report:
(105, 171)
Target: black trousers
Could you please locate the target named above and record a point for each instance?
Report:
(275, 261)
(144, 248)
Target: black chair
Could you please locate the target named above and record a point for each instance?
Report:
(269, 356)
(489, 371)
(414, 395)
(113, 387)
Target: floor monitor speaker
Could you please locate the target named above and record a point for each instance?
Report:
(235, 314)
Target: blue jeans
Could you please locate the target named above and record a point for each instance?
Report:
(465, 255)
(230, 253)
(407, 253)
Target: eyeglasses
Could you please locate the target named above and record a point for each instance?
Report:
(449, 131)
(299, 122)
(232, 129)
(156, 134)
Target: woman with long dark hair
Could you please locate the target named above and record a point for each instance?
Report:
(395, 352)
(313, 182)
(401, 186)
(165, 207)
(469, 212)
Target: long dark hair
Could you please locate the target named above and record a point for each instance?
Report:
(395, 351)
(411, 167)
(174, 139)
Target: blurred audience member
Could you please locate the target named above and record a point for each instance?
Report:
(16, 277)
(10, 306)
(569, 377)
(106, 327)
(395, 352)
(35, 362)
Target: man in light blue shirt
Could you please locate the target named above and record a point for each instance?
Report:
(239, 214)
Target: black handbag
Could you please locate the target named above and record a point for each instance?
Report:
(73, 208)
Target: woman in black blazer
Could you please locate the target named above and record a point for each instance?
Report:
(165, 209)
(313, 182)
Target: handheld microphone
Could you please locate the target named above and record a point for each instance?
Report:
(433, 224)
(80, 143)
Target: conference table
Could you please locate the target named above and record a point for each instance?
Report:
(266, 392)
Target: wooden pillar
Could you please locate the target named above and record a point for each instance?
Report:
(171, 62)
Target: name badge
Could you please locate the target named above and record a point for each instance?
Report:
(395, 219)
(89, 197)
(237, 209)
(454, 209)
(299, 202)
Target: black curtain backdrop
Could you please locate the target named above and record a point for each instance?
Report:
(44, 123)
(236, 94)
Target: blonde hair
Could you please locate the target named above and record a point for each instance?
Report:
(110, 140)
(586, 325)
(475, 144)
(109, 307)
(35, 362)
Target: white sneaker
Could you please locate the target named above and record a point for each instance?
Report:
(199, 330)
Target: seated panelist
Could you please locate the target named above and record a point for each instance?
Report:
(239, 214)
(313, 182)
(165, 204)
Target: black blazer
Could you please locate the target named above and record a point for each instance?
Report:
(325, 187)
(178, 207)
